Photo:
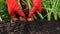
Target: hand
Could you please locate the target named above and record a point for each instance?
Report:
(37, 5)
(13, 7)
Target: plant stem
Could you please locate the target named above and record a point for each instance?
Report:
(0, 19)
(19, 4)
(40, 15)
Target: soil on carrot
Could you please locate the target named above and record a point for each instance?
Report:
(33, 27)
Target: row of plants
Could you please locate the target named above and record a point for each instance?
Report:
(51, 9)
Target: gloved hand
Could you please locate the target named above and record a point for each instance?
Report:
(13, 7)
(37, 5)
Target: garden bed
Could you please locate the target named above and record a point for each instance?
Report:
(34, 27)
(46, 21)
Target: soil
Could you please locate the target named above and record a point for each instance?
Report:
(33, 27)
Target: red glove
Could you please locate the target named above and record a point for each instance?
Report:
(37, 5)
(13, 7)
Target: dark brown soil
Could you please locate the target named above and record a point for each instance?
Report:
(34, 27)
